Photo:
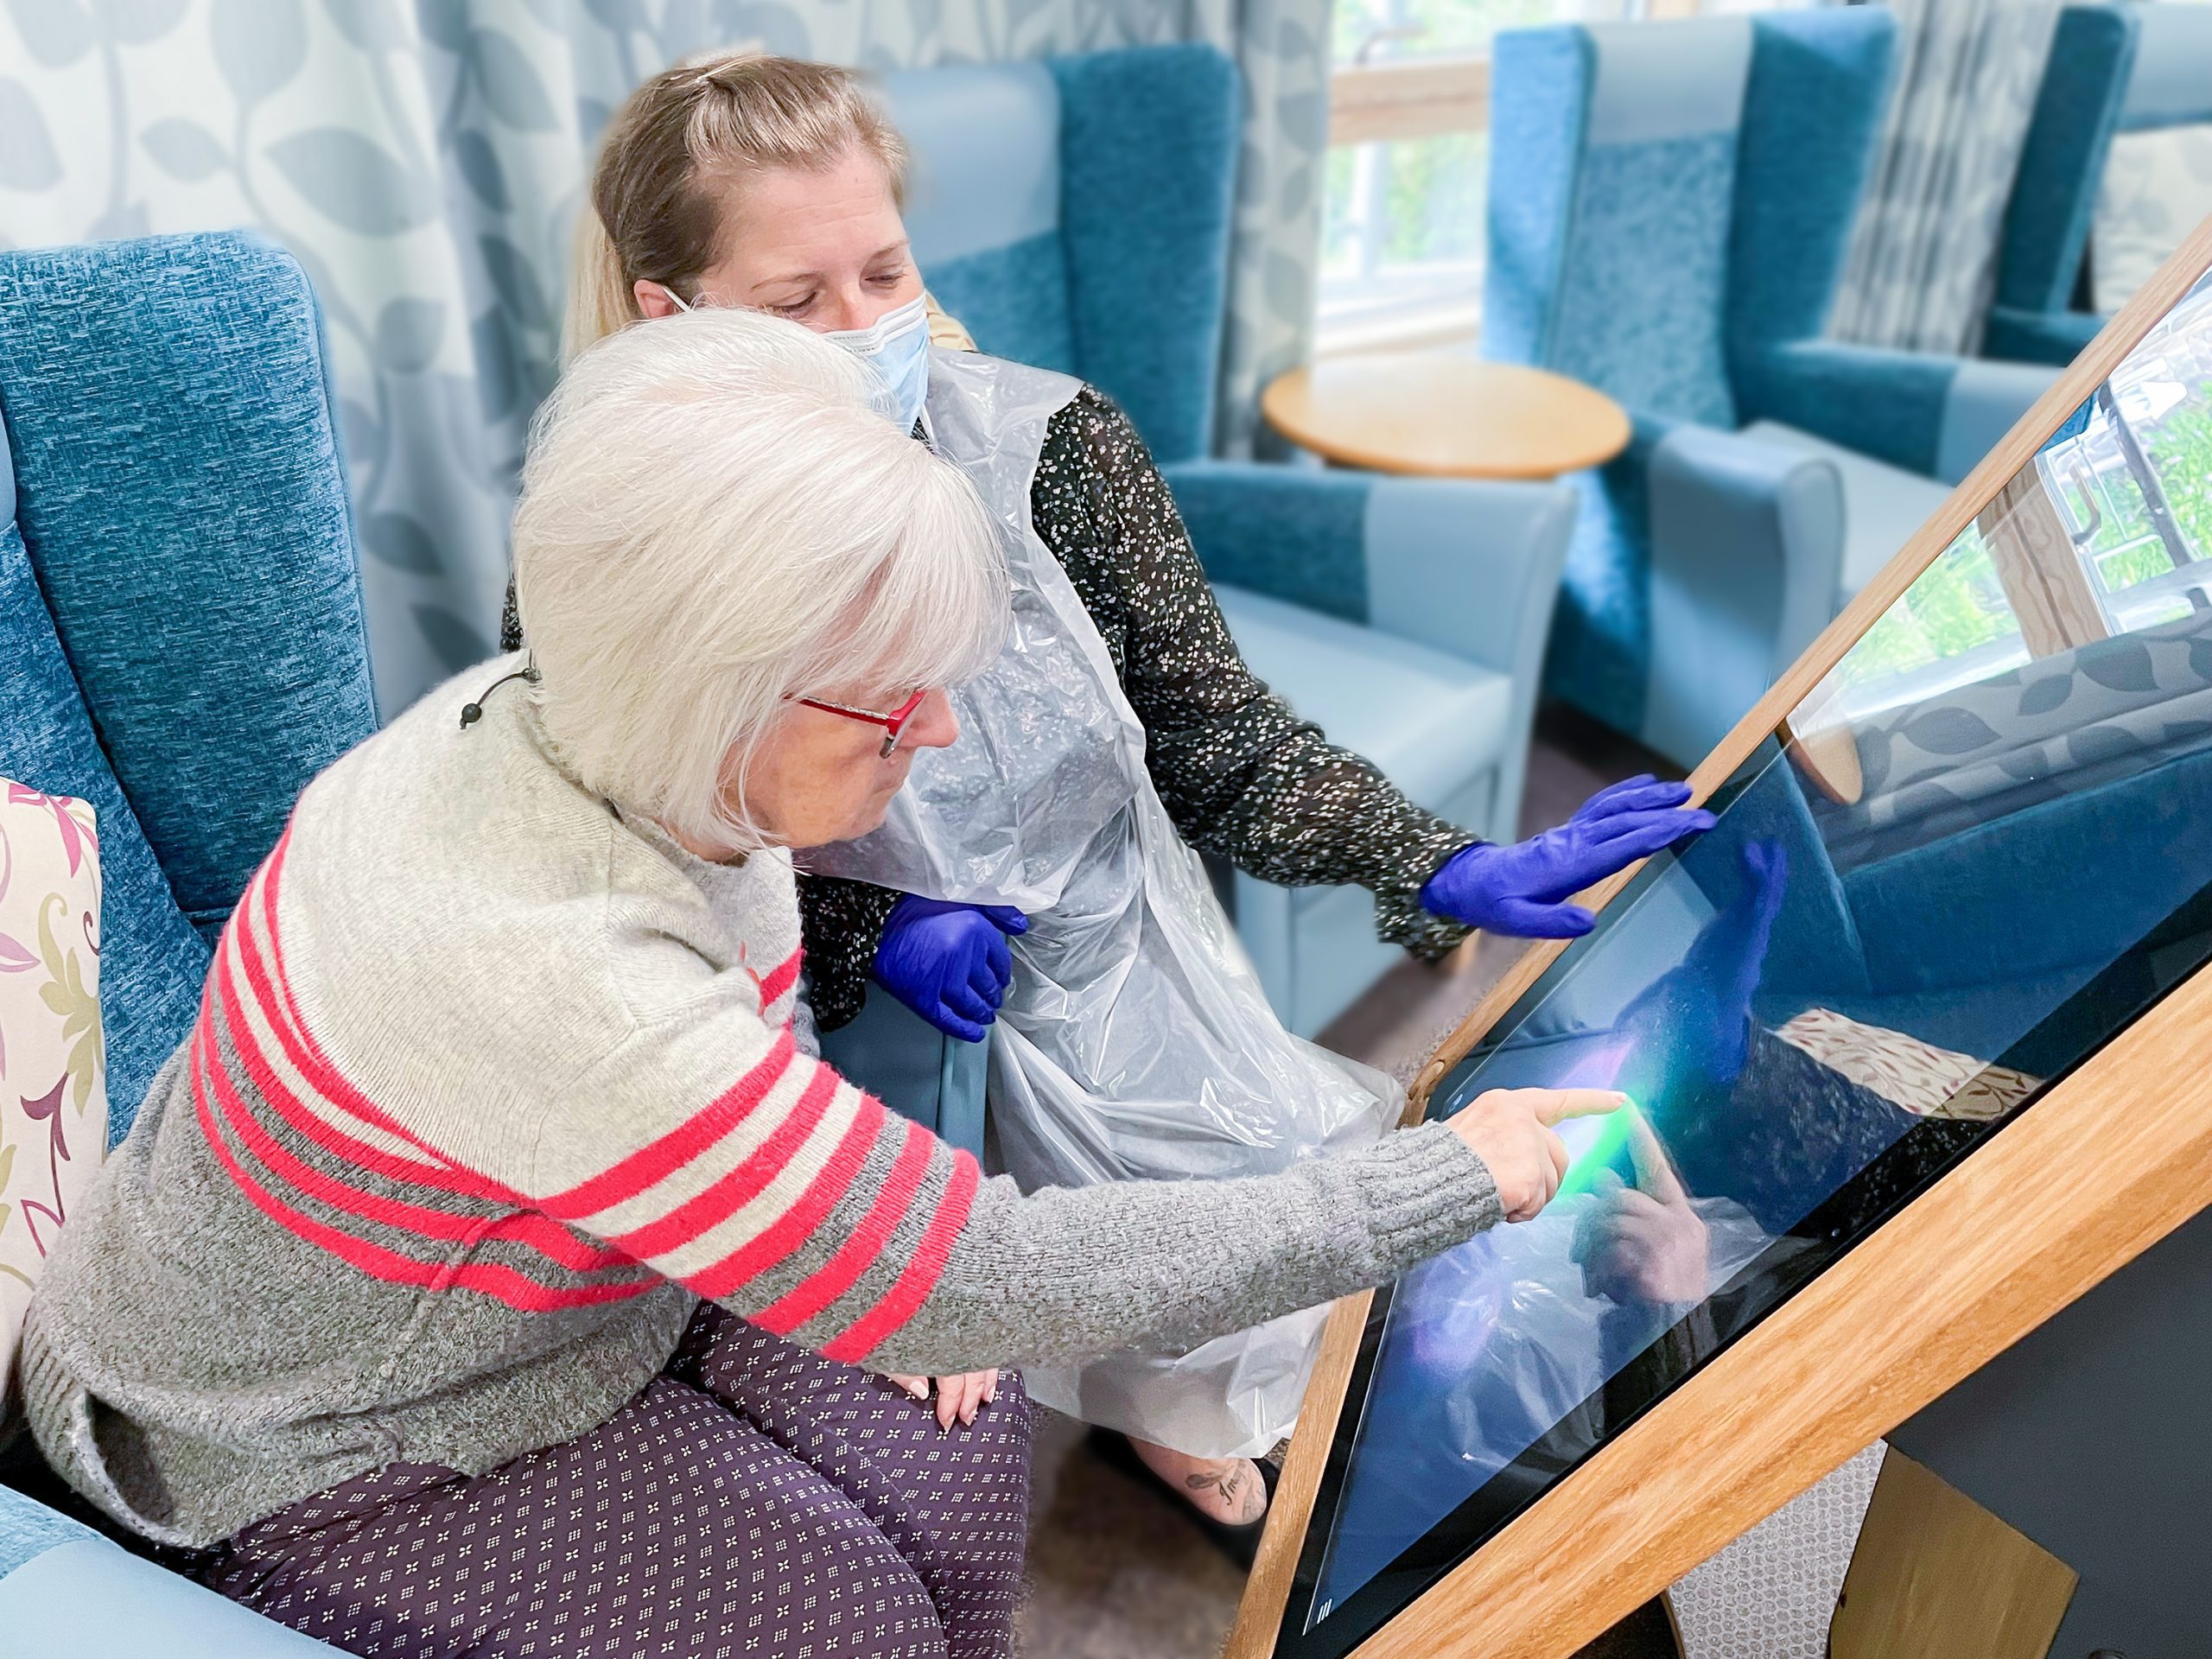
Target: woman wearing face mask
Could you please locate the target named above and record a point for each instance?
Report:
(1023, 873)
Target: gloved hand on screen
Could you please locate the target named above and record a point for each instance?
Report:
(1522, 889)
(948, 962)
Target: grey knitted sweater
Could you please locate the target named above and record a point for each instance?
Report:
(490, 1085)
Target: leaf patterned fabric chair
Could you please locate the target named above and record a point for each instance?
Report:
(182, 622)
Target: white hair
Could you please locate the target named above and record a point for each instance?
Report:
(715, 520)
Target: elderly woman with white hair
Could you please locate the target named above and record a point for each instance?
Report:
(492, 1270)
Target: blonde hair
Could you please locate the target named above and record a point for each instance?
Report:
(657, 196)
(715, 519)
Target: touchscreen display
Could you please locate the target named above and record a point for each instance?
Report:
(1981, 849)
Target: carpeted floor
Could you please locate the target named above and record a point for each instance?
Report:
(1118, 1573)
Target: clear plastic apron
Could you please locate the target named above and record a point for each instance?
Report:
(1135, 1042)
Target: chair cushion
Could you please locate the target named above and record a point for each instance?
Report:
(1883, 504)
(1149, 147)
(53, 1077)
(2157, 188)
(983, 203)
(1431, 721)
(1639, 281)
(29, 1529)
(82, 1597)
(151, 963)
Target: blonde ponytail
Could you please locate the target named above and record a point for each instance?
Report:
(601, 300)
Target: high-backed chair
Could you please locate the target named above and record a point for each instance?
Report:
(1075, 214)
(2117, 68)
(181, 628)
(1670, 204)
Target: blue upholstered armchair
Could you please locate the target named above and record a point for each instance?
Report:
(1075, 214)
(1669, 207)
(2114, 68)
(180, 626)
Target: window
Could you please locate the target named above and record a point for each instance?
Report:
(2110, 532)
(1402, 238)
(1952, 627)
(2135, 486)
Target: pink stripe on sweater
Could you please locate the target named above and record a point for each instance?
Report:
(273, 995)
(659, 1158)
(537, 1232)
(502, 1283)
(723, 1279)
(438, 1225)
(904, 1299)
(864, 1246)
(717, 1203)
(779, 980)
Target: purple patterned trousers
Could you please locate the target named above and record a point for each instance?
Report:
(754, 1499)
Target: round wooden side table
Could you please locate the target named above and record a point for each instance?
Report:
(1445, 413)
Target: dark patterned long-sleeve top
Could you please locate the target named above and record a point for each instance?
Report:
(1242, 775)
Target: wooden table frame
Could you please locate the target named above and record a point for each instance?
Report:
(2113, 1159)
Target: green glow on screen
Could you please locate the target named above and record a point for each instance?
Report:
(1604, 1148)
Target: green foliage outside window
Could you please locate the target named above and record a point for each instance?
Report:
(2180, 449)
(1956, 606)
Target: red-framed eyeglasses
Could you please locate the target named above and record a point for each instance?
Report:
(893, 723)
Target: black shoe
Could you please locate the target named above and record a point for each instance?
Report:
(1241, 1543)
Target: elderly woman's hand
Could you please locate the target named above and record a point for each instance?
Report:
(949, 962)
(1510, 1130)
(958, 1398)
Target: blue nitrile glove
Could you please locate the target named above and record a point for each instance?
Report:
(948, 962)
(1522, 889)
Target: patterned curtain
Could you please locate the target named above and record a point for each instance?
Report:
(425, 162)
(1282, 49)
(1923, 261)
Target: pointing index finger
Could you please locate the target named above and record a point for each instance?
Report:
(1579, 1103)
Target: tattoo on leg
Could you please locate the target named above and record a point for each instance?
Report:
(1245, 1499)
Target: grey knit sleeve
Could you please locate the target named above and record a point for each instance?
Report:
(1068, 1274)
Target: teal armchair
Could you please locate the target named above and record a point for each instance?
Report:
(2114, 68)
(1670, 204)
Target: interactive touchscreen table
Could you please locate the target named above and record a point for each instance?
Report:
(1918, 1045)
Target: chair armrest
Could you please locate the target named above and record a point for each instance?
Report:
(88, 1598)
(1986, 402)
(2053, 337)
(1474, 568)
(1293, 533)
(1930, 414)
(1885, 403)
(29, 1529)
(1468, 568)
(1471, 569)
(1746, 556)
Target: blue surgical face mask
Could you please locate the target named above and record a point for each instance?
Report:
(897, 346)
